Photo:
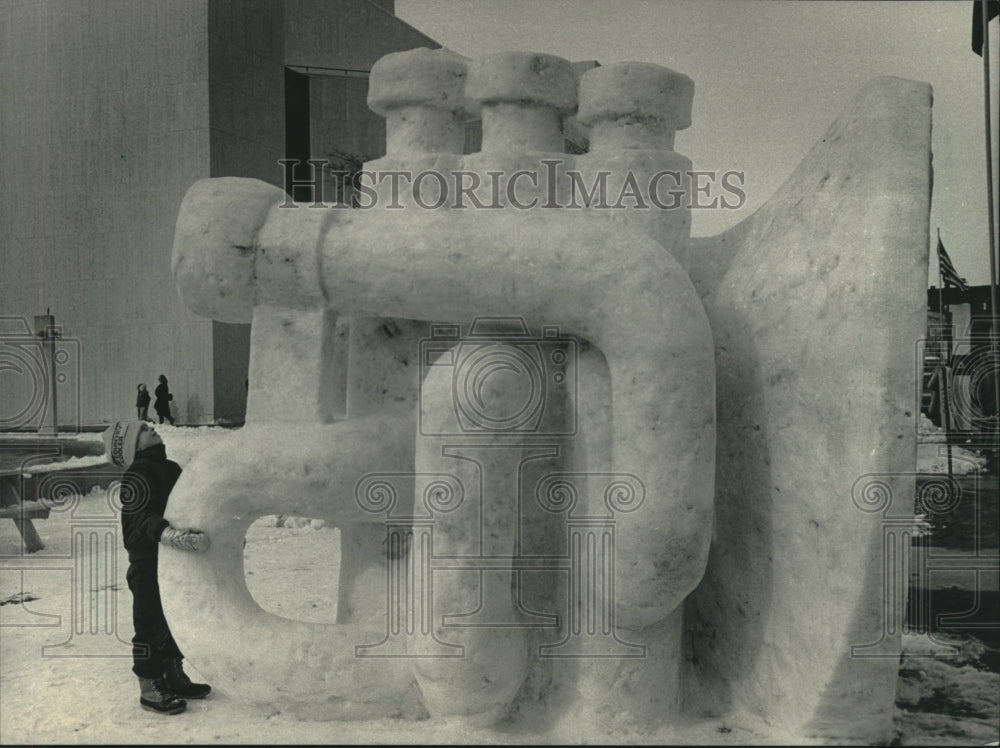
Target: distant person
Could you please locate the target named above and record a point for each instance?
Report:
(145, 487)
(142, 399)
(163, 398)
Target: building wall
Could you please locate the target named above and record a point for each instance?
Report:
(336, 51)
(345, 34)
(341, 126)
(104, 126)
(249, 45)
(247, 123)
(246, 88)
(111, 110)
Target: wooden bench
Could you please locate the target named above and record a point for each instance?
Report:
(13, 507)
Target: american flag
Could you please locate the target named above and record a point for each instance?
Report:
(992, 11)
(949, 276)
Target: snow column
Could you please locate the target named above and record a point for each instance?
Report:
(421, 95)
(522, 97)
(654, 545)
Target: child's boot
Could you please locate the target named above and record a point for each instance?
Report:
(155, 696)
(180, 684)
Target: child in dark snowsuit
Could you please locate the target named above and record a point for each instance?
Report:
(145, 487)
(142, 402)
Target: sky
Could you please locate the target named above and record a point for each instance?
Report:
(770, 77)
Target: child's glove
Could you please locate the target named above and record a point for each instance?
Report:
(184, 540)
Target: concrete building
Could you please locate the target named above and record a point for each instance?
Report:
(109, 111)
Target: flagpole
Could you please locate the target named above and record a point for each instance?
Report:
(943, 367)
(991, 209)
(944, 386)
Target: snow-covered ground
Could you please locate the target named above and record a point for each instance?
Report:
(65, 674)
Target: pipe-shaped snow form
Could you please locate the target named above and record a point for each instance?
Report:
(310, 668)
(315, 469)
(643, 314)
(614, 287)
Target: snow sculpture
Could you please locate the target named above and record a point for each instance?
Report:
(504, 396)
(817, 303)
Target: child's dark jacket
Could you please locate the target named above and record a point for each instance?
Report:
(146, 486)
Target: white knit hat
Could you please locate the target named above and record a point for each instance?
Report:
(120, 440)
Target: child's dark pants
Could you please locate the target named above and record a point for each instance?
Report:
(153, 643)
